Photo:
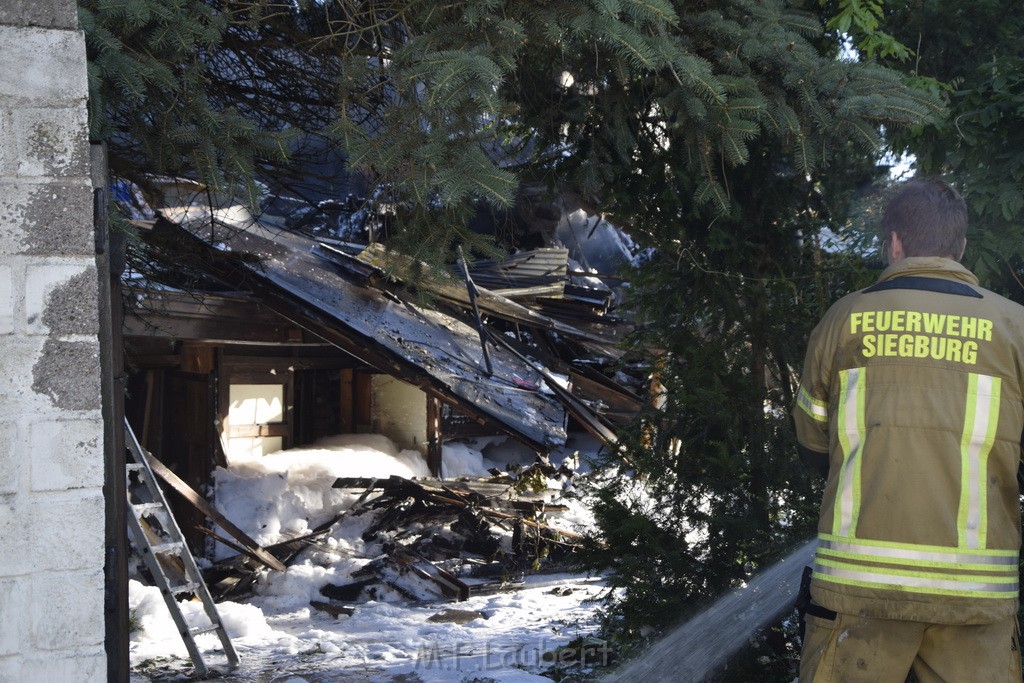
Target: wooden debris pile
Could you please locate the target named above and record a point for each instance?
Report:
(438, 540)
(450, 540)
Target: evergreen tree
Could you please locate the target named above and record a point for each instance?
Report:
(973, 55)
(151, 100)
(735, 282)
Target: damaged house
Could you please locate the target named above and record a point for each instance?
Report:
(253, 339)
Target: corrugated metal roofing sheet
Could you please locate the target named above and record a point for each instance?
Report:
(526, 269)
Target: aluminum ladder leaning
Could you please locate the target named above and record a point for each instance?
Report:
(165, 552)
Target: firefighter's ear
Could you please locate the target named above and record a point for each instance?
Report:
(895, 250)
(963, 246)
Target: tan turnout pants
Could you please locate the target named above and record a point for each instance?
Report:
(852, 649)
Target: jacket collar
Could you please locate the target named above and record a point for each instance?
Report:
(929, 266)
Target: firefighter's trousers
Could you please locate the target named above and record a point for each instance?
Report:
(853, 649)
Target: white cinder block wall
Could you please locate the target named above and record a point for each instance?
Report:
(51, 429)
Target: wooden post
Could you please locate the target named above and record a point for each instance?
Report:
(348, 399)
(222, 395)
(110, 266)
(363, 403)
(434, 435)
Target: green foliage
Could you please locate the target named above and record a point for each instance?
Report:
(726, 312)
(975, 52)
(611, 83)
(445, 107)
(150, 99)
(861, 19)
(731, 198)
(989, 163)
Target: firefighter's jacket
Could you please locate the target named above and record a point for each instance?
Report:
(912, 387)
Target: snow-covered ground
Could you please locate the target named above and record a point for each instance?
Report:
(284, 639)
(281, 637)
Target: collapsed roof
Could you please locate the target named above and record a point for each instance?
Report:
(343, 296)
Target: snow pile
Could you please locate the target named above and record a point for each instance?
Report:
(476, 457)
(506, 643)
(288, 493)
(331, 561)
(156, 633)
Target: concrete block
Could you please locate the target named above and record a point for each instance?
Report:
(66, 455)
(51, 142)
(7, 160)
(19, 354)
(65, 532)
(12, 607)
(14, 540)
(12, 455)
(58, 220)
(72, 308)
(30, 385)
(68, 372)
(10, 668)
(62, 298)
(88, 666)
(42, 13)
(44, 66)
(53, 531)
(12, 214)
(6, 299)
(47, 219)
(66, 610)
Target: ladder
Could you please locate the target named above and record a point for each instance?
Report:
(165, 552)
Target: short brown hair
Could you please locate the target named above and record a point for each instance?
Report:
(930, 218)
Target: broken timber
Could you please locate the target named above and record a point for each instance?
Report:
(418, 562)
(251, 547)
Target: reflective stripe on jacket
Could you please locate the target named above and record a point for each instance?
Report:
(912, 387)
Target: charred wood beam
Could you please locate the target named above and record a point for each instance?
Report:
(489, 302)
(192, 497)
(590, 420)
(472, 291)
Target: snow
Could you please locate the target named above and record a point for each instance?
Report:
(380, 640)
(280, 636)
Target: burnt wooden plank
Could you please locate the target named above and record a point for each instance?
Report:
(189, 494)
(207, 317)
(435, 435)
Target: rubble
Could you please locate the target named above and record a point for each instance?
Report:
(439, 540)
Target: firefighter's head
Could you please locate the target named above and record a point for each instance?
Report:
(927, 217)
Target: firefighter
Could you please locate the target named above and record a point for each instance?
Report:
(911, 400)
